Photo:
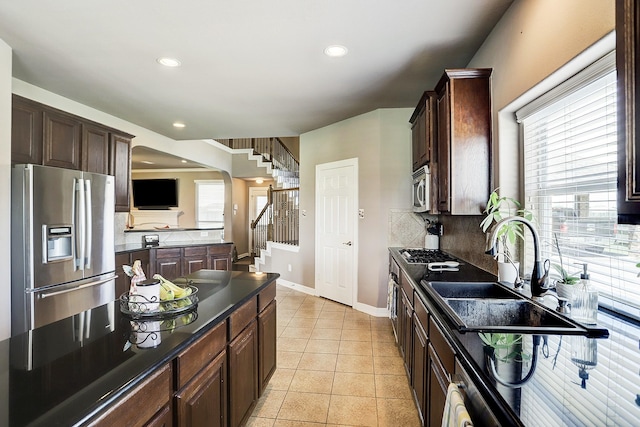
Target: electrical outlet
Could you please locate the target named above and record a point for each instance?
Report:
(361, 213)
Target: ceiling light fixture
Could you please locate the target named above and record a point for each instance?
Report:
(179, 125)
(168, 62)
(335, 51)
(259, 181)
(183, 161)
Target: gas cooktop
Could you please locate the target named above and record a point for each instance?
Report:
(430, 257)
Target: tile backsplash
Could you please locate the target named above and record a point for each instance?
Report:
(407, 229)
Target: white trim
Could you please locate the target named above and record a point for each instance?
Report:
(267, 252)
(297, 287)
(342, 163)
(248, 151)
(371, 310)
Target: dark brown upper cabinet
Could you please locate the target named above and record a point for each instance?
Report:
(422, 131)
(43, 135)
(628, 65)
(463, 120)
(26, 131)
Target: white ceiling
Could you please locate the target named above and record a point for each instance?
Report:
(250, 68)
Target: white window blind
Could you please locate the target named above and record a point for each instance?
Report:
(570, 173)
(210, 203)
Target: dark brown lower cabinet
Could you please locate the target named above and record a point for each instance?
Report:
(420, 368)
(243, 375)
(203, 401)
(267, 331)
(438, 384)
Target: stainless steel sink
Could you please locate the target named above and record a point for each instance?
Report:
(492, 307)
(472, 290)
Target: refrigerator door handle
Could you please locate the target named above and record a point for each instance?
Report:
(80, 224)
(88, 225)
(43, 295)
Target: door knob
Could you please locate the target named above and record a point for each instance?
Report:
(347, 243)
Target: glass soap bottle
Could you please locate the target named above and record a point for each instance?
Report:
(584, 305)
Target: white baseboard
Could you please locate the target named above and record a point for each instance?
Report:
(297, 287)
(372, 311)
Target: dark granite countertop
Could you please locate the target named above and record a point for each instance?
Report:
(169, 229)
(131, 247)
(605, 392)
(64, 373)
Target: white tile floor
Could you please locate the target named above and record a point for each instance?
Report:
(336, 366)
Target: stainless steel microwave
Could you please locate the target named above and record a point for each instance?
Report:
(421, 190)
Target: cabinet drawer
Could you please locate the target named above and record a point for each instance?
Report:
(190, 361)
(169, 253)
(266, 296)
(442, 348)
(421, 313)
(220, 249)
(405, 283)
(141, 404)
(195, 251)
(242, 317)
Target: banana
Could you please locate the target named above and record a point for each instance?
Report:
(172, 291)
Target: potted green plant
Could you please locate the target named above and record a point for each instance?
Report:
(500, 207)
(564, 285)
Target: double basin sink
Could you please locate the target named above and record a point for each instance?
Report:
(492, 307)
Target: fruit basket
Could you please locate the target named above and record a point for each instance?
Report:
(138, 306)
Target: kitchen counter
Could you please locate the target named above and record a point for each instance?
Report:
(606, 391)
(131, 247)
(64, 373)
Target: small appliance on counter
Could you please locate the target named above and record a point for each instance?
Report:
(432, 239)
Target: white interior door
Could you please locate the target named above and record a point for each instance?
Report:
(336, 230)
(258, 197)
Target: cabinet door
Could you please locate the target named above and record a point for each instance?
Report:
(62, 140)
(267, 332)
(145, 261)
(120, 168)
(26, 131)
(438, 383)
(444, 148)
(123, 282)
(220, 257)
(627, 54)
(407, 330)
(419, 140)
(203, 401)
(95, 149)
(420, 366)
(243, 375)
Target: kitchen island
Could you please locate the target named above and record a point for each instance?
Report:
(576, 381)
(102, 367)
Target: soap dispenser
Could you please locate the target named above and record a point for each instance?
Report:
(584, 306)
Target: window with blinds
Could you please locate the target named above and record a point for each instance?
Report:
(210, 203)
(570, 172)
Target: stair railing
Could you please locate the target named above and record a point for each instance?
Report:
(271, 149)
(278, 221)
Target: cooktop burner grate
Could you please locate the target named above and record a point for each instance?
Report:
(425, 256)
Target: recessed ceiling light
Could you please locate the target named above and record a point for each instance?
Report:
(146, 162)
(168, 62)
(183, 161)
(259, 181)
(335, 51)
(179, 125)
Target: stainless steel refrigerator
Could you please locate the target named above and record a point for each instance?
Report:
(62, 237)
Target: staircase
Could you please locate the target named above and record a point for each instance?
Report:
(278, 220)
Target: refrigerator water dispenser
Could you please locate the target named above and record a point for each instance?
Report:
(59, 243)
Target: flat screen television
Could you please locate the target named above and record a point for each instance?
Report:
(160, 193)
